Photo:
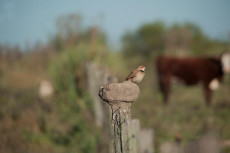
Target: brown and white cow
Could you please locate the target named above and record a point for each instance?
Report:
(208, 71)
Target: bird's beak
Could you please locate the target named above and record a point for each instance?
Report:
(143, 69)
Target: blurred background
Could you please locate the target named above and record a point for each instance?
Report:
(46, 104)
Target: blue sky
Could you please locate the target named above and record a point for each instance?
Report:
(24, 21)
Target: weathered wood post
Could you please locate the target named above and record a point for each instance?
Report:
(146, 137)
(97, 76)
(134, 135)
(120, 97)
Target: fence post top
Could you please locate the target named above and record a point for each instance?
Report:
(119, 93)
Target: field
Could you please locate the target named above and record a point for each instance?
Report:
(64, 122)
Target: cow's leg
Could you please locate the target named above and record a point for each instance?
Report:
(165, 87)
(208, 93)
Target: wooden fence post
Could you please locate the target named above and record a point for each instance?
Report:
(120, 96)
(134, 135)
(146, 137)
(98, 75)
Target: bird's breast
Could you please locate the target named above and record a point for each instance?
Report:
(138, 77)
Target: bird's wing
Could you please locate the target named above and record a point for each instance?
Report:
(131, 75)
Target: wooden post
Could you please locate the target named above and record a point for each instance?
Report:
(146, 143)
(120, 116)
(134, 132)
(120, 96)
(98, 75)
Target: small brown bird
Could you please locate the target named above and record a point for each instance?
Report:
(136, 75)
(178, 137)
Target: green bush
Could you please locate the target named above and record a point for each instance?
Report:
(67, 72)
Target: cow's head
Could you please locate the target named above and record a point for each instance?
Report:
(225, 61)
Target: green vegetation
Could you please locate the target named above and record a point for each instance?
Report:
(64, 123)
